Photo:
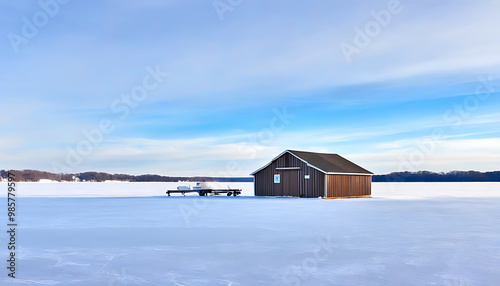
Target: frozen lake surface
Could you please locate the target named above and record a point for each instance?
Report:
(132, 234)
(379, 190)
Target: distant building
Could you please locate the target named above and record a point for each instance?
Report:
(312, 175)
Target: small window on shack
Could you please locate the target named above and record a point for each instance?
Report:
(277, 178)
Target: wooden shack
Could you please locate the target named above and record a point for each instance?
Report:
(312, 175)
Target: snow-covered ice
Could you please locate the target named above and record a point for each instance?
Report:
(150, 189)
(116, 189)
(132, 234)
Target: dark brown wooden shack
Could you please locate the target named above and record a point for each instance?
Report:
(312, 175)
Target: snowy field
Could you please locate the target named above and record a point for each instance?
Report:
(379, 190)
(132, 234)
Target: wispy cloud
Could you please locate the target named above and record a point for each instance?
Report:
(465, 154)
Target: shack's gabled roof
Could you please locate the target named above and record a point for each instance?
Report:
(325, 162)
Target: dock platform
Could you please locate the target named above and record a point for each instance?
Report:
(206, 192)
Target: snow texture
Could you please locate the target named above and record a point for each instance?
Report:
(132, 234)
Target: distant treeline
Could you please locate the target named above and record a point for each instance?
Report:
(235, 180)
(35, 176)
(421, 176)
(426, 176)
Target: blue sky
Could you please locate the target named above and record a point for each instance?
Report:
(221, 87)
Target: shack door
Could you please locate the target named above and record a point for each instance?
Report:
(290, 183)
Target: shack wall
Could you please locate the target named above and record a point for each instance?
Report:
(349, 185)
(293, 182)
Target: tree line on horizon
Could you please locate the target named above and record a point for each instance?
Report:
(427, 176)
(35, 176)
(420, 176)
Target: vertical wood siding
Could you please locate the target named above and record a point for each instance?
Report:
(293, 182)
(349, 185)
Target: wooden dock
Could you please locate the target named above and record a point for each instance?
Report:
(206, 192)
